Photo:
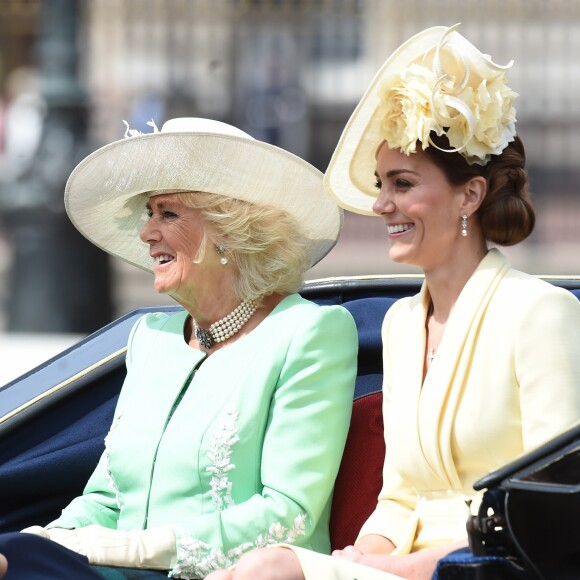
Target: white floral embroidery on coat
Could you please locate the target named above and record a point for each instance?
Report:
(196, 559)
(110, 477)
(220, 452)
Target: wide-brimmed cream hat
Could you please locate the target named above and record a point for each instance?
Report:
(436, 81)
(106, 194)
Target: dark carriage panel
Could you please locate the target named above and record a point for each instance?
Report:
(76, 368)
(53, 422)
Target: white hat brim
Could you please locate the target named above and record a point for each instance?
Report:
(103, 193)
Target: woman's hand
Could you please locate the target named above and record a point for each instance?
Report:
(365, 547)
(152, 548)
(36, 531)
(410, 566)
(415, 566)
(349, 553)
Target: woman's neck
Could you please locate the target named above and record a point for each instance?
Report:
(446, 282)
(264, 307)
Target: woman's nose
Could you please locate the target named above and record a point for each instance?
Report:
(383, 204)
(149, 233)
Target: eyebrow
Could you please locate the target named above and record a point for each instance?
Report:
(395, 172)
(159, 204)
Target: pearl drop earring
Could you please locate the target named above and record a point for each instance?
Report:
(219, 248)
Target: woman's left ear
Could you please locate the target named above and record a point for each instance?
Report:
(473, 195)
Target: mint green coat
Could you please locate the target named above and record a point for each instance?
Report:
(236, 450)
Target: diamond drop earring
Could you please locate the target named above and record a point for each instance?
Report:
(464, 225)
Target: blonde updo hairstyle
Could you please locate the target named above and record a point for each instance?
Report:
(266, 244)
(506, 214)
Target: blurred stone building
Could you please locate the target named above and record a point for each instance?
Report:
(291, 71)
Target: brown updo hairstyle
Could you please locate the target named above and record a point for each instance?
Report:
(506, 214)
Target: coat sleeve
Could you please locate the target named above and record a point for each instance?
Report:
(98, 507)
(301, 453)
(547, 363)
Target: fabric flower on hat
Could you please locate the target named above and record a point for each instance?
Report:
(463, 96)
(408, 111)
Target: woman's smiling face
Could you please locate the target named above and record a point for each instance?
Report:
(420, 207)
(175, 234)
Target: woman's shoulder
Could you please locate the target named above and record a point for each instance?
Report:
(522, 294)
(295, 303)
(160, 320)
(169, 324)
(404, 305)
(527, 288)
(297, 311)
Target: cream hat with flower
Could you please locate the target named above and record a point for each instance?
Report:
(436, 81)
(106, 194)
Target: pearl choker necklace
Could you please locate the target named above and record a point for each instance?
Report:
(227, 326)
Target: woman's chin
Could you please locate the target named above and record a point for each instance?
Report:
(161, 287)
(398, 256)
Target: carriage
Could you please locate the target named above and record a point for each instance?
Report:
(54, 418)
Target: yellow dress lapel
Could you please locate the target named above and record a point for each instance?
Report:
(443, 386)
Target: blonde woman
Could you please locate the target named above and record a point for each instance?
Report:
(231, 423)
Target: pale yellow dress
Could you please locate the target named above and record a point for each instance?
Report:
(504, 379)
